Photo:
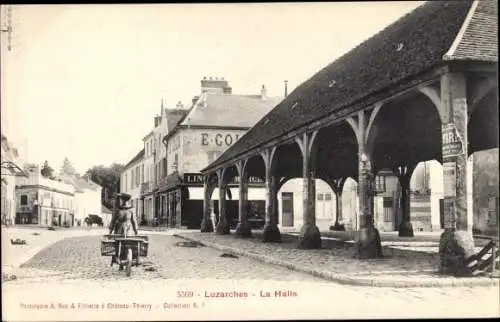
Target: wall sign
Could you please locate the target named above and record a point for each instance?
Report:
(197, 178)
(193, 178)
(219, 139)
(453, 144)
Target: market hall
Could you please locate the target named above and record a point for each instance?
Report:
(423, 88)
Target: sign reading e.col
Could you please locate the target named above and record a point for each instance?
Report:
(219, 139)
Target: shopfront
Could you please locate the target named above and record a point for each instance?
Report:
(181, 201)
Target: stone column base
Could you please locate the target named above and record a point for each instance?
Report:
(242, 230)
(337, 227)
(207, 226)
(271, 234)
(222, 228)
(368, 243)
(455, 247)
(406, 229)
(310, 237)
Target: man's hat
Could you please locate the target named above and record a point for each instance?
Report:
(126, 205)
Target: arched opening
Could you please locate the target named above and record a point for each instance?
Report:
(426, 197)
(290, 205)
(483, 178)
(350, 205)
(405, 131)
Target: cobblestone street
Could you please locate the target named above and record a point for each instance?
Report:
(80, 257)
(72, 270)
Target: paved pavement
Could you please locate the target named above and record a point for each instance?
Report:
(71, 271)
(398, 268)
(37, 238)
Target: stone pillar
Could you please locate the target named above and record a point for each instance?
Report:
(456, 244)
(310, 237)
(207, 225)
(404, 176)
(337, 186)
(271, 230)
(223, 225)
(368, 238)
(242, 228)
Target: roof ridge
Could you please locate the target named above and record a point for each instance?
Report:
(465, 24)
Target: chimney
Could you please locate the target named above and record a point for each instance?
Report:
(157, 120)
(195, 98)
(263, 93)
(179, 105)
(286, 88)
(215, 85)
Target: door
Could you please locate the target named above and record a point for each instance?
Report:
(441, 213)
(287, 207)
(389, 214)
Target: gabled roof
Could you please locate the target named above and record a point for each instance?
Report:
(223, 110)
(174, 116)
(413, 44)
(138, 157)
(478, 37)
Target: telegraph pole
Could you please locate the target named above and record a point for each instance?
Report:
(7, 28)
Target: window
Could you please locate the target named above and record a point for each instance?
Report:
(320, 196)
(175, 166)
(137, 175)
(328, 196)
(165, 169)
(24, 200)
(493, 210)
(380, 183)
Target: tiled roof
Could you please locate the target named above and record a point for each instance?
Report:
(224, 110)
(413, 44)
(478, 38)
(174, 116)
(138, 156)
(78, 183)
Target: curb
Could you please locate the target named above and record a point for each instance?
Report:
(328, 275)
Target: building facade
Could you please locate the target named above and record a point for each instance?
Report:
(87, 200)
(10, 169)
(43, 201)
(131, 180)
(215, 121)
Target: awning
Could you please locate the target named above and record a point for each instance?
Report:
(13, 169)
(197, 193)
(170, 182)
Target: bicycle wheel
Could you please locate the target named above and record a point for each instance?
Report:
(129, 261)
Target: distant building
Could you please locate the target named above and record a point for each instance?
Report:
(87, 198)
(130, 181)
(43, 201)
(10, 169)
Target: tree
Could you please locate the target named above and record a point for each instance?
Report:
(108, 178)
(68, 168)
(47, 171)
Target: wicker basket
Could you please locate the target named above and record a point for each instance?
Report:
(144, 248)
(107, 248)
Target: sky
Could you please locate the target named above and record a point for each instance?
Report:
(85, 81)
